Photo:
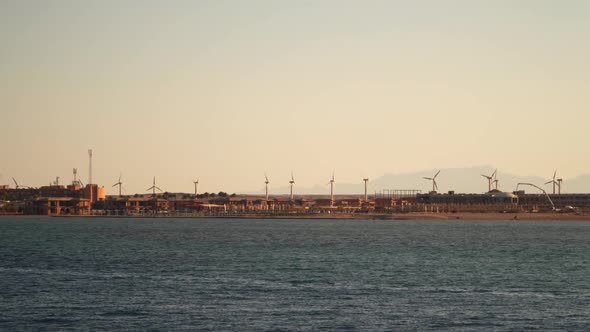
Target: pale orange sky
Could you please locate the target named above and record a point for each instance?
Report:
(226, 90)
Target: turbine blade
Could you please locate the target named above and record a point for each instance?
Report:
(437, 174)
(554, 174)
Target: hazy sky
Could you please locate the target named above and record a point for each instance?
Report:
(226, 90)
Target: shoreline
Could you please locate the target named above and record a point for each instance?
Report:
(397, 216)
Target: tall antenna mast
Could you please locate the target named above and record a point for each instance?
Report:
(266, 182)
(291, 183)
(332, 189)
(89, 166)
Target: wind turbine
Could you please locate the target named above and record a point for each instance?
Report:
(292, 182)
(496, 179)
(153, 188)
(433, 179)
(331, 183)
(119, 183)
(196, 183)
(490, 179)
(266, 182)
(555, 182)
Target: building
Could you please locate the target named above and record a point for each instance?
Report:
(59, 206)
(94, 193)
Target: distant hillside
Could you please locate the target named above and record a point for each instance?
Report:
(461, 180)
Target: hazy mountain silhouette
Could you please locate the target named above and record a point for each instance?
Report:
(461, 180)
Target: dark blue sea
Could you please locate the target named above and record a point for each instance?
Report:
(291, 275)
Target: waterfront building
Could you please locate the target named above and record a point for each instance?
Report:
(59, 206)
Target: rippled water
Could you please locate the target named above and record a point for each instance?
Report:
(204, 274)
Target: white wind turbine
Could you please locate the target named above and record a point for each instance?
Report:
(119, 183)
(555, 182)
(496, 180)
(153, 188)
(433, 179)
(490, 179)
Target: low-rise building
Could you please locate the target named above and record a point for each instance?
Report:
(59, 206)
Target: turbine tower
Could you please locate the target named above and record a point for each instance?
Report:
(266, 182)
(555, 182)
(196, 183)
(331, 183)
(490, 179)
(366, 196)
(496, 180)
(433, 179)
(89, 167)
(292, 182)
(153, 188)
(119, 183)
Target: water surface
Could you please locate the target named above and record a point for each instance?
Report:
(216, 274)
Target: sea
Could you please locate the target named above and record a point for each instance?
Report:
(72, 274)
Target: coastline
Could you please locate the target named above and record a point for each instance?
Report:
(398, 216)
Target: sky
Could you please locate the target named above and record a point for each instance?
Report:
(225, 91)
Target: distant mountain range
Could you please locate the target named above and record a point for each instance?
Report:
(461, 180)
